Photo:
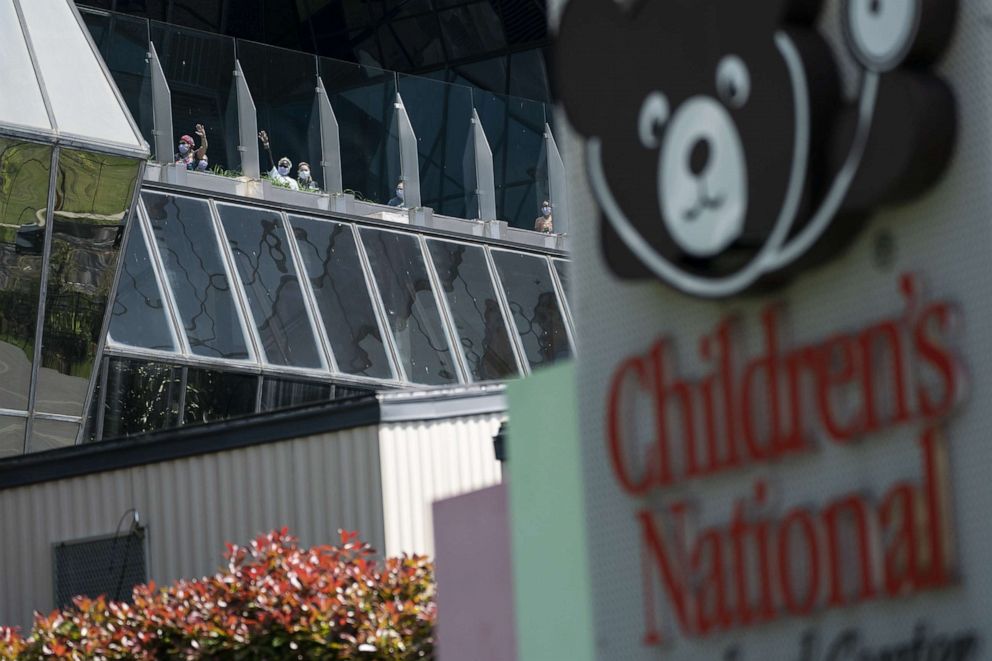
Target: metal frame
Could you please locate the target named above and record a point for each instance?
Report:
(245, 318)
(504, 303)
(559, 296)
(162, 276)
(500, 299)
(399, 369)
(562, 297)
(39, 329)
(464, 374)
(108, 314)
(442, 311)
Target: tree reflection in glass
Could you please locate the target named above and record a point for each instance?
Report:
(25, 171)
(534, 304)
(332, 265)
(93, 198)
(411, 309)
(184, 234)
(482, 330)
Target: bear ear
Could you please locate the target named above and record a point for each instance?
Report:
(587, 46)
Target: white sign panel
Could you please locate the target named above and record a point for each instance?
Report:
(784, 309)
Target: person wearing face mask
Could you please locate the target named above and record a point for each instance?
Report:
(303, 178)
(189, 154)
(398, 201)
(544, 222)
(279, 172)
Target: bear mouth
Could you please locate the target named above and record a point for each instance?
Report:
(704, 202)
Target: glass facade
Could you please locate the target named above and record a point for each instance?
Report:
(199, 68)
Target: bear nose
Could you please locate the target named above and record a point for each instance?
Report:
(699, 156)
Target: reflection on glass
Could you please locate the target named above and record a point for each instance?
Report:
(199, 67)
(527, 282)
(515, 130)
(331, 260)
(363, 101)
(93, 198)
(139, 317)
(411, 309)
(141, 397)
(25, 172)
(212, 395)
(440, 114)
(482, 330)
(286, 393)
(11, 436)
(52, 434)
(265, 264)
(123, 43)
(186, 241)
(283, 84)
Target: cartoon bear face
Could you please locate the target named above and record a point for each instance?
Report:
(714, 126)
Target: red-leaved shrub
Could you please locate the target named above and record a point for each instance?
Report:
(274, 600)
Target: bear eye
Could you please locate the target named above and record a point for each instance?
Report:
(654, 114)
(733, 81)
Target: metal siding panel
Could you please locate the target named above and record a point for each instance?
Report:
(426, 461)
(191, 506)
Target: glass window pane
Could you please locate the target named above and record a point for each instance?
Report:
(25, 172)
(531, 294)
(81, 96)
(141, 397)
(363, 100)
(93, 194)
(479, 322)
(515, 130)
(52, 434)
(11, 436)
(199, 67)
(139, 317)
(21, 101)
(283, 84)
(123, 43)
(334, 269)
(286, 393)
(186, 241)
(212, 395)
(440, 114)
(265, 264)
(411, 309)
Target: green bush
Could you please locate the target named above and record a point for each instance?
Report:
(273, 600)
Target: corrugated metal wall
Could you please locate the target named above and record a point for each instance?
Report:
(192, 506)
(426, 461)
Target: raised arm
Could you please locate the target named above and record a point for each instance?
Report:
(202, 132)
(264, 137)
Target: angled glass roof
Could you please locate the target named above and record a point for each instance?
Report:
(253, 288)
(55, 85)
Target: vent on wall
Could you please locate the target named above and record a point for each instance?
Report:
(109, 566)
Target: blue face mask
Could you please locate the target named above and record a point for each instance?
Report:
(282, 170)
(546, 211)
(304, 175)
(202, 165)
(183, 148)
(399, 193)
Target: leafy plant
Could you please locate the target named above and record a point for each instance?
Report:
(273, 600)
(232, 174)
